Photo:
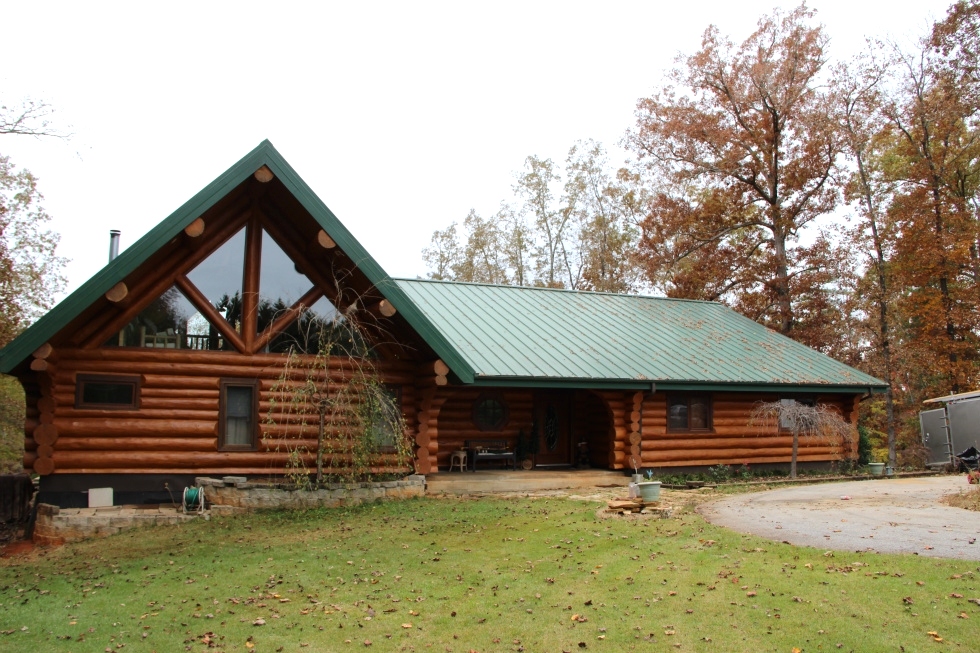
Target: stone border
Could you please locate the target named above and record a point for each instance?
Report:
(233, 494)
(228, 495)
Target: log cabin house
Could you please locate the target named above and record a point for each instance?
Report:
(162, 366)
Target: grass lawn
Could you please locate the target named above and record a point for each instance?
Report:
(477, 575)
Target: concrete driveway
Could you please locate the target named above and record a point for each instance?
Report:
(887, 515)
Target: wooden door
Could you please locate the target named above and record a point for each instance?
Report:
(552, 412)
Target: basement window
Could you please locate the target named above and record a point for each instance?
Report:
(238, 415)
(96, 391)
(688, 412)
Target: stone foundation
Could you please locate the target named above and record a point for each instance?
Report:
(225, 496)
(232, 494)
(56, 525)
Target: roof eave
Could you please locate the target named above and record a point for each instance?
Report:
(702, 386)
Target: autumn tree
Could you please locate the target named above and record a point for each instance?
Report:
(859, 92)
(741, 144)
(30, 271)
(933, 159)
(571, 226)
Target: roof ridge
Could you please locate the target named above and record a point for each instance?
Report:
(449, 282)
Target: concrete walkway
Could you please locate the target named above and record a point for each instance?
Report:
(495, 481)
(886, 516)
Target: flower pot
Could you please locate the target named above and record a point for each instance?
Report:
(649, 490)
(876, 469)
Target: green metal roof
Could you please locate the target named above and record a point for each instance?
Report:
(538, 336)
(52, 322)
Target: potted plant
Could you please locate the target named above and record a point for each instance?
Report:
(649, 489)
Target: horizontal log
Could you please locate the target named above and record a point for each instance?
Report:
(736, 443)
(739, 455)
(710, 462)
(176, 461)
(136, 445)
(39, 365)
(174, 414)
(134, 426)
(201, 361)
(157, 392)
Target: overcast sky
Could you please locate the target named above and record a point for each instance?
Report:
(401, 116)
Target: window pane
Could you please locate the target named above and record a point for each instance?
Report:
(677, 413)
(108, 393)
(238, 416)
(219, 278)
(699, 413)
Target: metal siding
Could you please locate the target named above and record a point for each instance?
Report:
(541, 334)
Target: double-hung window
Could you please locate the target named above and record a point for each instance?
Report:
(238, 419)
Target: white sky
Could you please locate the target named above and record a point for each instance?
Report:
(400, 115)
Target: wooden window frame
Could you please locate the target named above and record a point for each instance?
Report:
(497, 426)
(256, 387)
(674, 396)
(82, 380)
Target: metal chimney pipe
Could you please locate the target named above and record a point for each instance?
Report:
(113, 244)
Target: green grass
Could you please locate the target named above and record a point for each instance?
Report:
(483, 575)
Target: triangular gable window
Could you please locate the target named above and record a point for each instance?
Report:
(170, 322)
(230, 301)
(219, 278)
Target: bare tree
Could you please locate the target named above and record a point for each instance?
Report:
(30, 118)
(819, 421)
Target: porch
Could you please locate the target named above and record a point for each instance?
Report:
(505, 480)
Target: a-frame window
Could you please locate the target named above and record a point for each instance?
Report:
(246, 295)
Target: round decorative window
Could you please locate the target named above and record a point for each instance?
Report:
(490, 412)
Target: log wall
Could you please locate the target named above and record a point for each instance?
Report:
(175, 429)
(733, 439)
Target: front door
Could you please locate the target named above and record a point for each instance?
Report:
(552, 412)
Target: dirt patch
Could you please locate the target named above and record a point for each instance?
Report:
(966, 499)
